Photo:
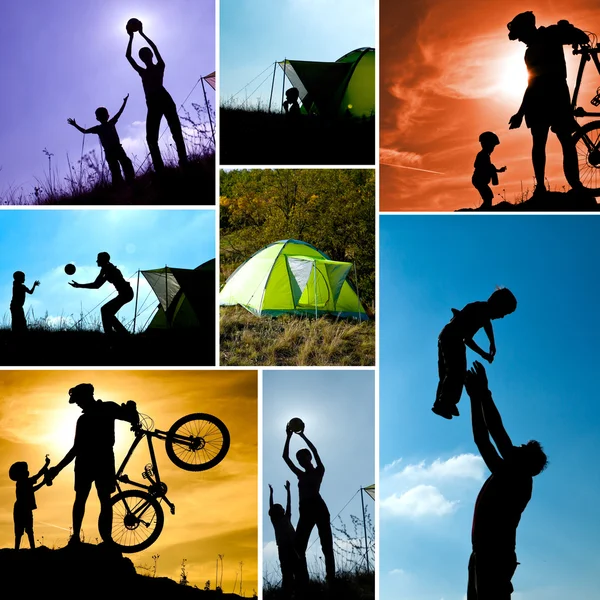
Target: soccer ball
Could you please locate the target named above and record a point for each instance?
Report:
(70, 269)
(296, 425)
(133, 25)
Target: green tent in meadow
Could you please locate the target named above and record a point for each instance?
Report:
(290, 276)
(345, 87)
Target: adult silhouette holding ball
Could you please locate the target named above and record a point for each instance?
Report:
(110, 273)
(313, 510)
(159, 101)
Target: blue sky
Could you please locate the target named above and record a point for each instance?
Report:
(544, 381)
(41, 242)
(66, 58)
(256, 33)
(338, 409)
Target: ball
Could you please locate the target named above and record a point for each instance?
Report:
(296, 425)
(133, 25)
(70, 269)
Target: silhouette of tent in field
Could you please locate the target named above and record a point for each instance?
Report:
(186, 296)
(343, 87)
(290, 276)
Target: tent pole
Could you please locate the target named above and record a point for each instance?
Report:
(283, 82)
(137, 289)
(208, 111)
(362, 501)
(272, 84)
(357, 296)
(166, 296)
(315, 280)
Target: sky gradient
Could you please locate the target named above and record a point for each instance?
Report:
(447, 75)
(67, 58)
(36, 419)
(338, 410)
(256, 33)
(41, 242)
(543, 379)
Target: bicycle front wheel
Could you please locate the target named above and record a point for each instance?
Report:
(197, 442)
(587, 145)
(138, 519)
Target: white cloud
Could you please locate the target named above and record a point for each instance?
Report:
(463, 466)
(396, 572)
(420, 501)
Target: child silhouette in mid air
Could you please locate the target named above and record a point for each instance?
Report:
(19, 323)
(290, 105)
(285, 536)
(456, 336)
(25, 503)
(109, 138)
(485, 172)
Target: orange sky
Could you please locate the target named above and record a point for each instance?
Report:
(216, 510)
(448, 72)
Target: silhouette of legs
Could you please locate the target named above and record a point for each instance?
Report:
(452, 368)
(155, 114)
(539, 134)
(288, 560)
(18, 320)
(164, 105)
(81, 495)
(116, 159)
(109, 313)
(490, 575)
(115, 169)
(486, 193)
(23, 524)
(172, 117)
(570, 162)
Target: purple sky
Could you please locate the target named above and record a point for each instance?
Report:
(66, 58)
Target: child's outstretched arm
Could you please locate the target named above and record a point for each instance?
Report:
(120, 111)
(41, 472)
(489, 331)
(288, 504)
(270, 496)
(74, 123)
(35, 284)
(129, 57)
(152, 45)
(473, 345)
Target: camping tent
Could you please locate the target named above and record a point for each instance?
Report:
(186, 296)
(343, 87)
(290, 276)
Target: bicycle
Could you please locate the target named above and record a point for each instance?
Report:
(587, 137)
(196, 442)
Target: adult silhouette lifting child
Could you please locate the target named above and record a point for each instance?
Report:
(454, 339)
(312, 508)
(503, 497)
(93, 454)
(159, 101)
(546, 103)
(110, 273)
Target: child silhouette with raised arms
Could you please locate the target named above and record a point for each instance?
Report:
(285, 536)
(25, 503)
(485, 172)
(109, 138)
(454, 339)
(19, 323)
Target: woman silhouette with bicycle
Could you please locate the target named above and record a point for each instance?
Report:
(546, 103)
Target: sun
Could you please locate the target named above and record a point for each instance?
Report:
(512, 76)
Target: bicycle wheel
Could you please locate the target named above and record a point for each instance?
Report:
(138, 519)
(197, 442)
(587, 145)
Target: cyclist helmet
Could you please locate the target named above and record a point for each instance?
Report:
(489, 137)
(83, 389)
(524, 20)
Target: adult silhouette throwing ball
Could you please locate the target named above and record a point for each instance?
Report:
(158, 100)
(93, 454)
(502, 498)
(110, 273)
(546, 103)
(312, 508)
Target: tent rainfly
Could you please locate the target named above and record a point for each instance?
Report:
(340, 88)
(290, 276)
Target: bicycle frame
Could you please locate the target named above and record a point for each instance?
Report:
(587, 53)
(156, 487)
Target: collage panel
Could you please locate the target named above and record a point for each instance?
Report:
(489, 107)
(107, 288)
(297, 83)
(318, 470)
(176, 449)
(111, 103)
(297, 267)
(504, 307)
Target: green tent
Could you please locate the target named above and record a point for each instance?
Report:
(290, 276)
(186, 296)
(340, 88)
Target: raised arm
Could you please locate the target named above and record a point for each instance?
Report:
(286, 453)
(97, 283)
(152, 45)
(313, 450)
(270, 497)
(120, 111)
(78, 127)
(41, 472)
(288, 504)
(130, 58)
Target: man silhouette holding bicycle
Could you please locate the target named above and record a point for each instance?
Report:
(546, 103)
(93, 453)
